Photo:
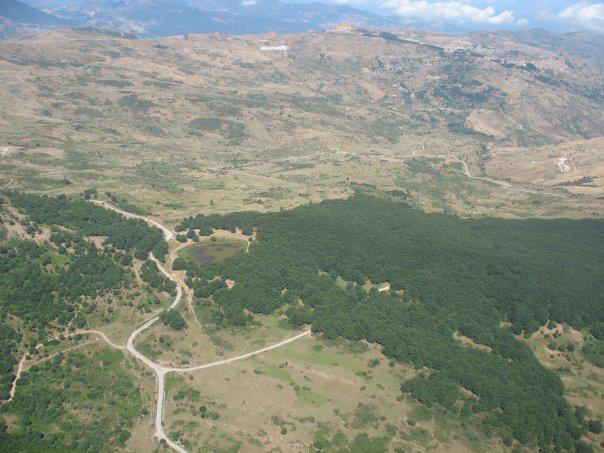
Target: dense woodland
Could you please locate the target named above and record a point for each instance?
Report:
(81, 401)
(473, 276)
(53, 286)
(446, 274)
(92, 220)
(150, 274)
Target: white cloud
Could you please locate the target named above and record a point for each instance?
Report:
(454, 11)
(585, 15)
(248, 2)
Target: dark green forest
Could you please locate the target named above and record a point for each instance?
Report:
(446, 274)
(47, 296)
(92, 220)
(52, 286)
(80, 401)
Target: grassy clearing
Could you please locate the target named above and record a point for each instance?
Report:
(198, 343)
(309, 394)
(562, 348)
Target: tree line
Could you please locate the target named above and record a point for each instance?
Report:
(92, 220)
(446, 274)
(47, 296)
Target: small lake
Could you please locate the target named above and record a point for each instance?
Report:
(208, 252)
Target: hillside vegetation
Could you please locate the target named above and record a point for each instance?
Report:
(446, 275)
(66, 266)
(172, 123)
(420, 245)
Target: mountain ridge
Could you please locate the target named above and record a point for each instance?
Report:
(161, 18)
(20, 19)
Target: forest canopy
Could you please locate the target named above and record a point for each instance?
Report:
(54, 285)
(92, 220)
(446, 275)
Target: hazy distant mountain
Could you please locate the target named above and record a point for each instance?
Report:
(586, 44)
(152, 18)
(159, 18)
(18, 18)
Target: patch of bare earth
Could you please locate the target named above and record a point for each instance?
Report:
(538, 165)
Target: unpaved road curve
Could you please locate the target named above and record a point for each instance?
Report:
(168, 235)
(502, 183)
(467, 173)
(104, 337)
(159, 370)
(179, 281)
(21, 364)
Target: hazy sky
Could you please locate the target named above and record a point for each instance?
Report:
(565, 15)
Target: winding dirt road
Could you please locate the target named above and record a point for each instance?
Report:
(501, 183)
(159, 370)
(168, 235)
(467, 173)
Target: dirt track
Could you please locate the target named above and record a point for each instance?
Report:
(159, 370)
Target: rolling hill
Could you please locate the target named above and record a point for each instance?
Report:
(290, 108)
(347, 240)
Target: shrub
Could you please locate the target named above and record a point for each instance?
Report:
(595, 426)
(173, 319)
